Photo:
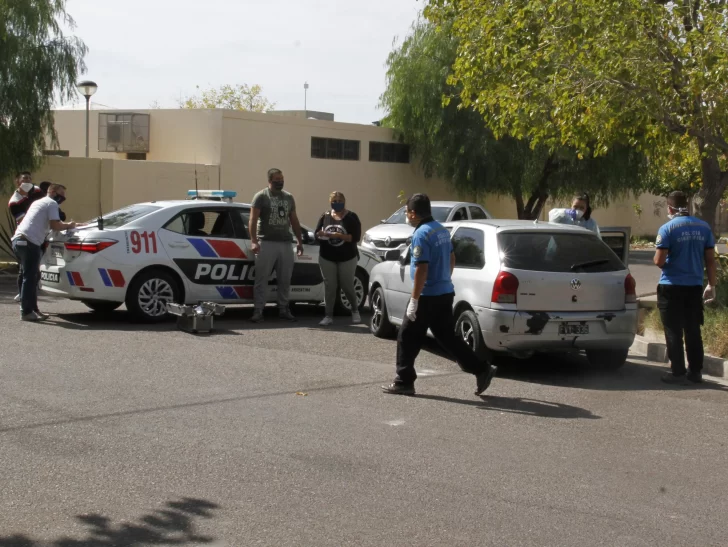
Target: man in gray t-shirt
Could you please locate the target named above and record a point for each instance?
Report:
(272, 216)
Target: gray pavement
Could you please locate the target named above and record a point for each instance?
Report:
(278, 435)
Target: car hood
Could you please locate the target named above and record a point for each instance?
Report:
(395, 231)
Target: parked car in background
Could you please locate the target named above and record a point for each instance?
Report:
(393, 232)
(523, 287)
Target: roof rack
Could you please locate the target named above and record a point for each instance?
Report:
(212, 195)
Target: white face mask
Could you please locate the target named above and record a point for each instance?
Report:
(26, 186)
(578, 213)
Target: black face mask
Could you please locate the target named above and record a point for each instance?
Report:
(277, 185)
(59, 199)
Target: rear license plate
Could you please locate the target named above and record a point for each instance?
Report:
(57, 251)
(50, 277)
(573, 328)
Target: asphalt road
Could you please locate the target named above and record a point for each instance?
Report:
(278, 435)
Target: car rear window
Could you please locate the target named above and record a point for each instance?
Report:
(122, 217)
(557, 252)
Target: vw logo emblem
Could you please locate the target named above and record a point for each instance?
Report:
(575, 284)
(387, 241)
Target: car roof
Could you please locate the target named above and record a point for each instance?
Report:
(452, 203)
(505, 224)
(192, 202)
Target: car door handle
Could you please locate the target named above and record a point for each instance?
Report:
(179, 245)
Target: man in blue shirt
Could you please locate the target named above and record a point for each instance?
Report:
(685, 245)
(430, 305)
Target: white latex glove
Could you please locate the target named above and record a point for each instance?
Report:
(412, 309)
(709, 294)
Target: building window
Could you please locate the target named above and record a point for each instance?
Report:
(334, 149)
(390, 152)
(61, 153)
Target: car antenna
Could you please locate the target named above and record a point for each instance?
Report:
(101, 212)
(197, 192)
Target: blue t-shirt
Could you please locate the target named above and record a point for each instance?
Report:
(431, 244)
(686, 239)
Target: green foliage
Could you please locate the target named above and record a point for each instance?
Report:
(230, 97)
(38, 64)
(6, 234)
(592, 74)
(426, 107)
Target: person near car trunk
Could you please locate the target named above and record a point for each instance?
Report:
(430, 305)
(21, 200)
(28, 240)
(339, 230)
(272, 216)
(685, 248)
(579, 214)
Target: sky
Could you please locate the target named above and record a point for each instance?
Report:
(146, 51)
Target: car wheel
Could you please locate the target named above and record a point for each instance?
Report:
(467, 328)
(101, 306)
(611, 359)
(149, 294)
(361, 282)
(380, 325)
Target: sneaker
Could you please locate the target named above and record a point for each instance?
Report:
(355, 318)
(399, 389)
(483, 380)
(326, 321)
(257, 317)
(33, 317)
(671, 379)
(287, 315)
(42, 316)
(694, 378)
(17, 298)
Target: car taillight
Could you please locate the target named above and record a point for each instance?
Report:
(89, 246)
(630, 290)
(505, 289)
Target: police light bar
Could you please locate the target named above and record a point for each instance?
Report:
(214, 195)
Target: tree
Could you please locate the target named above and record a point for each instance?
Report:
(230, 97)
(592, 74)
(453, 141)
(38, 63)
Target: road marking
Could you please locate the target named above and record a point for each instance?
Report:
(395, 423)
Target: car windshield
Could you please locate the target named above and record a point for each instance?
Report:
(122, 217)
(440, 214)
(557, 252)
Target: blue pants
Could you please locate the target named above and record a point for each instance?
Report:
(29, 258)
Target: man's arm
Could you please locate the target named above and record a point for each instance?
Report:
(59, 226)
(421, 270)
(297, 230)
(711, 267)
(253, 229)
(660, 258)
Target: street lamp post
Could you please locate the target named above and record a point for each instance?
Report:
(87, 88)
(305, 97)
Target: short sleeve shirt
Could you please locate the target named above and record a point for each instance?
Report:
(431, 244)
(36, 224)
(685, 238)
(274, 223)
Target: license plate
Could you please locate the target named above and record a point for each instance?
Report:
(573, 328)
(50, 277)
(57, 252)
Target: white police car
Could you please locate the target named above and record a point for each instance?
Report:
(148, 254)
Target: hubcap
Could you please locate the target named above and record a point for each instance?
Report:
(358, 289)
(153, 297)
(376, 310)
(467, 333)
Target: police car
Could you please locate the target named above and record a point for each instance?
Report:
(148, 254)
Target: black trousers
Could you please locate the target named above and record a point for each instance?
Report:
(435, 313)
(681, 311)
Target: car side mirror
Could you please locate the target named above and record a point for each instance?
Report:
(383, 221)
(392, 254)
(403, 257)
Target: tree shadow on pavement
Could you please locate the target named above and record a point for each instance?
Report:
(173, 525)
(518, 405)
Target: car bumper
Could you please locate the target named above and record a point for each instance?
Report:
(102, 280)
(524, 332)
(381, 251)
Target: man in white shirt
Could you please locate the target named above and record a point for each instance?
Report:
(42, 216)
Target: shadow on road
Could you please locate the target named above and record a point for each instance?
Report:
(173, 525)
(517, 405)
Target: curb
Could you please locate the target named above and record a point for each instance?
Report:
(657, 352)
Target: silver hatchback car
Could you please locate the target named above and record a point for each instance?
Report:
(523, 287)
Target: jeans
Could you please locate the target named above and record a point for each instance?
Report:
(435, 313)
(338, 275)
(28, 255)
(276, 255)
(681, 311)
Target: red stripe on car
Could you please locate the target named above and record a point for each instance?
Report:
(244, 292)
(226, 249)
(77, 279)
(117, 278)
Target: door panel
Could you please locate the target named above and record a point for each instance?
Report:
(399, 288)
(618, 240)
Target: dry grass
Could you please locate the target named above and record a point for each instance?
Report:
(715, 329)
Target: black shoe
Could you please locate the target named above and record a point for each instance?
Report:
(695, 378)
(671, 379)
(484, 379)
(399, 389)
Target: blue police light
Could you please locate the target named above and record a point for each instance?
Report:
(215, 195)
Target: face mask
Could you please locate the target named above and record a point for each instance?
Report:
(577, 214)
(277, 185)
(410, 221)
(26, 186)
(337, 206)
(59, 199)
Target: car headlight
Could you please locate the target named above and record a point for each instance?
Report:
(367, 238)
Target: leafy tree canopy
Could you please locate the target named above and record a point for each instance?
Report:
(230, 97)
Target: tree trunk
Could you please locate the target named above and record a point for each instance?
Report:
(715, 182)
(538, 198)
(519, 204)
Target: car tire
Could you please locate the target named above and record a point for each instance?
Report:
(149, 293)
(610, 359)
(361, 282)
(380, 325)
(101, 306)
(467, 328)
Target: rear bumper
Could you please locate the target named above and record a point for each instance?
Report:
(518, 331)
(101, 280)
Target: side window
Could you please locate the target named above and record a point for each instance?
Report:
(469, 247)
(476, 213)
(244, 215)
(203, 224)
(460, 214)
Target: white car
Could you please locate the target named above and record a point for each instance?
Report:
(394, 232)
(149, 254)
(523, 287)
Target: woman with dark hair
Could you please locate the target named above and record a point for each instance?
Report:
(580, 214)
